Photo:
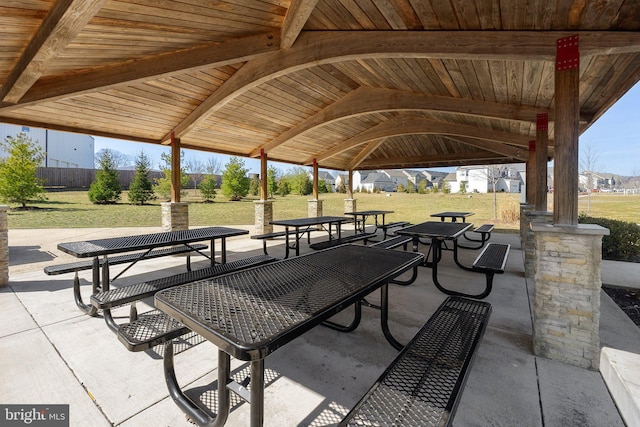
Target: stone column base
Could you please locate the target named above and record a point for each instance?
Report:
(524, 226)
(4, 246)
(263, 216)
(528, 250)
(314, 209)
(350, 205)
(175, 216)
(566, 306)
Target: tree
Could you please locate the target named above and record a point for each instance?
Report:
(588, 163)
(117, 158)
(254, 185)
(18, 178)
(163, 185)
(196, 169)
(272, 181)
(141, 188)
(106, 188)
(208, 188)
(235, 184)
(299, 181)
(283, 187)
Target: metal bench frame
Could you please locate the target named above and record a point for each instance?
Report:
(386, 227)
(423, 385)
(276, 234)
(110, 298)
(491, 261)
(485, 230)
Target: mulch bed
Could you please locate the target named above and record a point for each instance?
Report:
(628, 299)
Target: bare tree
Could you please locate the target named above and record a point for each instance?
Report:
(119, 159)
(588, 163)
(213, 165)
(196, 169)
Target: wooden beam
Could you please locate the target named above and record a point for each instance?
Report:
(153, 67)
(350, 186)
(61, 25)
(541, 159)
(264, 193)
(317, 48)
(297, 15)
(364, 153)
(175, 169)
(315, 180)
(496, 147)
(477, 156)
(565, 170)
(416, 125)
(366, 100)
(531, 174)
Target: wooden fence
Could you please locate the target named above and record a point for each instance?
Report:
(77, 179)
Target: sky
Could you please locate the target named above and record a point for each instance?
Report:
(614, 140)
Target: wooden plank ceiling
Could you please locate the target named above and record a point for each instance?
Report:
(354, 84)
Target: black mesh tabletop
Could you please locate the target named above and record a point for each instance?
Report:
(146, 241)
(438, 229)
(302, 222)
(251, 313)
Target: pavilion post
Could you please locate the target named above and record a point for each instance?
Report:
(175, 214)
(350, 202)
(529, 197)
(263, 208)
(314, 206)
(4, 246)
(568, 256)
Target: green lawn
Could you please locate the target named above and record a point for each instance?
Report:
(72, 209)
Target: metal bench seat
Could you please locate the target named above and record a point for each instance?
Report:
(423, 385)
(126, 294)
(394, 242)
(341, 241)
(150, 329)
(87, 264)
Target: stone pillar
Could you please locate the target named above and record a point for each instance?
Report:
(4, 246)
(528, 244)
(314, 208)
(524, 225)
(263, 216)
(175, 216)
(566, 309)
(350, 205)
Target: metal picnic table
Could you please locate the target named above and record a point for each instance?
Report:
(304, 225)
(251, 313)
(365, 214)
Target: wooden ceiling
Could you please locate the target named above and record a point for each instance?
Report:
(354, 84)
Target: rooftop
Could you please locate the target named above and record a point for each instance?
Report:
(52, 353)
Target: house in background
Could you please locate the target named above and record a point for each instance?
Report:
(397, 176)
(328, 179)
(63, 149)
(377, 181)
(434, 178)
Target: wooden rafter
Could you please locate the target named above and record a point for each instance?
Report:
(364, 153)
(366, 100)
(415, 125)
(473, 157)
(294, 20)
(213, 55)
(313, 49)
(64, 21)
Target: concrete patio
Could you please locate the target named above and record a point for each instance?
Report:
(52, 353)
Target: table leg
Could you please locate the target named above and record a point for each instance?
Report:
(187, 406)
(384, 317)
(95, 284)
(257, 393)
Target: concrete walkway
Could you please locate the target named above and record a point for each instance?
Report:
(52, 353)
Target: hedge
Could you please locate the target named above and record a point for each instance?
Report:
(623, 241)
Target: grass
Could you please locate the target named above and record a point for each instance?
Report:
(72, 209)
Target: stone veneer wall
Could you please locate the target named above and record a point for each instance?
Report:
(350, 205)
(314, 209)
(528, 217)
(567, 279)
(175, 216)
(4, 246)
(263, 216)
